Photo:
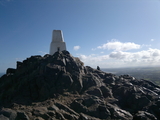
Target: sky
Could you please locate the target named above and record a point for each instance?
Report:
(105, 33)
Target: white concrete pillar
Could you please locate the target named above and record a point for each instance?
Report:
(57, 43)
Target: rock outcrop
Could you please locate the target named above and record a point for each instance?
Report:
(61, 87)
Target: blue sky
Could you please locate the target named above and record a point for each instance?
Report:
(108, 33)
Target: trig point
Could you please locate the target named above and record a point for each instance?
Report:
(57, 43)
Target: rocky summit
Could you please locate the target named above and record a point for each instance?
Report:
(60, 87)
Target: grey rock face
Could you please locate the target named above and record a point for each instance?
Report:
(59, 86)
(142, 115)
(22, 116)
(2, 117)
(8, 113)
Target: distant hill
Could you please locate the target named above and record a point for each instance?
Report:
(147, 73)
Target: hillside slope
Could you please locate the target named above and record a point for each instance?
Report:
(61, 87)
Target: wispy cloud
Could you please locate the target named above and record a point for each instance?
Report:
(152, 40)
(76, 48)
(118, 46)
(42, 53)
(144, 45)
(102, 52)
(19, 59)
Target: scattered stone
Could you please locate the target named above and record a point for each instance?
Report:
(53, 107)
(22, 116)
(2, 117)
(142, 115)
(9, 113)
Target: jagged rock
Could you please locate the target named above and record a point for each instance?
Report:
(53, 107)
(95, 91)
(2, 117)
(86, 117)
(117, 113)
(9, 113)
(19, 64)
(109, 80)
(98, 68)
(92, 106)
(40, 111)
(69, 116)
(142, 115)
(21, 116)
(65, 82)
(154, 109)
(59, 86)
(67, 109)
(10, 71)
(78, 107)
(60, 116)
(106, 92)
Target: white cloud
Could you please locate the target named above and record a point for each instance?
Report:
(42, 53)
(148, 57)
(142, 56)
(93, 49)
(19, 59)
(119, 46)
(145, 45)
(93, 59)
(102, 52)
(118, 55)
(152, 40)
(76, 48)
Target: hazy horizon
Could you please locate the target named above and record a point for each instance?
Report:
(103, 69)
